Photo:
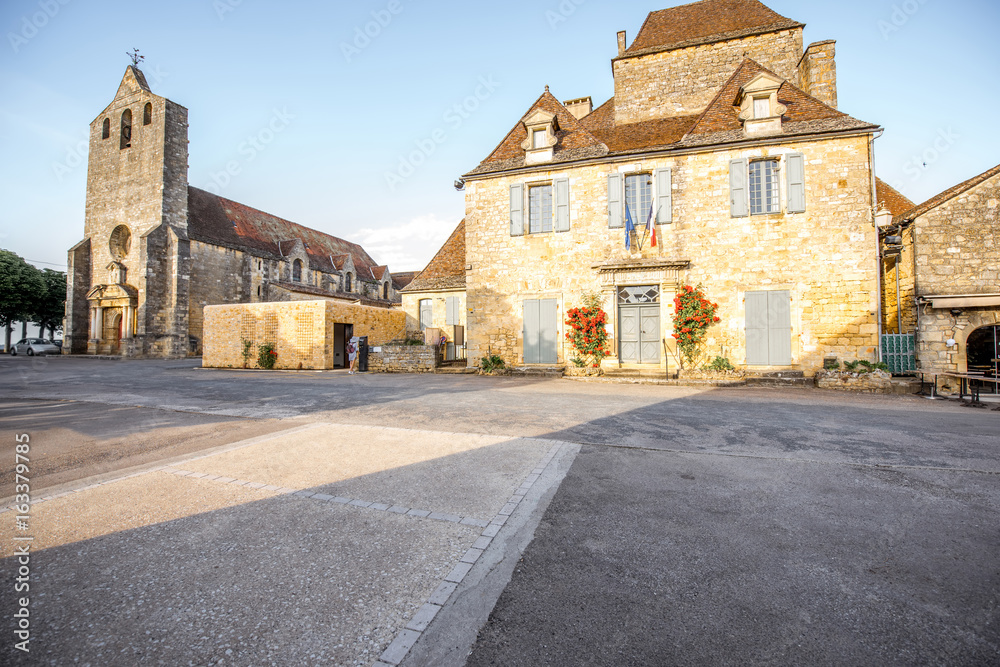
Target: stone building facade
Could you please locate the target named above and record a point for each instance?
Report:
(755, 185)
(436, 298)
(951, 259)
(157, 251)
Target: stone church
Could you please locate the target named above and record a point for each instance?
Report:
(156, 250)
(722, 160)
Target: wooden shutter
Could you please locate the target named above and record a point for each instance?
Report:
(779, 328)
(756, 320)
(517, 209)
(664, 203)
(739, 206)
(616, 216)
(561, 187)
(548, 328)
(795, 165)
(530, 332)
(451, 310)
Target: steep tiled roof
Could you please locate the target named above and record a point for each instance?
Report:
(704, 23)
(891, 198)
(447, 269)
(647, 134)
(220, 221)
(574, 141)
(312, 290)
(948, 194)
(401, 280)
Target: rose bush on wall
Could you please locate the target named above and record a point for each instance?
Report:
(588, 333)
(693, 315)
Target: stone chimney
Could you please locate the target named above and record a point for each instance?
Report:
(818, 72)
(579, 107)
(621, 42)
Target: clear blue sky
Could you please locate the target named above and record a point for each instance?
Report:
(926, 70)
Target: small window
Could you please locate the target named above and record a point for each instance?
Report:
(538, 139)
(258, 290)
(762, 107)
(297, 271)
(106, 129)
(540, 209)
(764, 195)
(126, 131)
(147, 114)
(639, 197)
(426, 313)
(347, 282)
(385, 291)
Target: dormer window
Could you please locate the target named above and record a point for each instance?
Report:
(541, 127)
(761, 107)
(760, 110)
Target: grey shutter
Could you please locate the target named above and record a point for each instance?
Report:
(451, 310)
(664, 203)
(756, 319)
(561, 187)
(795, 165)
(517, 210)
(530, 332)
(616, 217)
(547, 331)
(426, 313)
(738, 203)
(779, 328)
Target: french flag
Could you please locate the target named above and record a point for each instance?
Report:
(651, 226)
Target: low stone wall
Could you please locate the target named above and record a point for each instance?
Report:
(403, 359)
(876, 382)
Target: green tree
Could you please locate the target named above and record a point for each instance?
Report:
(21, 290)
(50, 309)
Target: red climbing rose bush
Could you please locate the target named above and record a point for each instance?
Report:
(693, 315)
(587, 331)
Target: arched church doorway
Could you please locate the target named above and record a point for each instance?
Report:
(982, 349)
(113, 329)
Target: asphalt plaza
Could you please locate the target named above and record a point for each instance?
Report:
(674, 525)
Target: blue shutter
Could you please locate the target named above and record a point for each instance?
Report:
(756, 326)
(664, 198)
(779, 328)
(795, 165)
(451, 310)
(517, 210)
(616, 215)
(738, 202)
(561, 187)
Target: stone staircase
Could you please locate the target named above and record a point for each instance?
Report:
(779, 379)
(538, 371)
(458, 367)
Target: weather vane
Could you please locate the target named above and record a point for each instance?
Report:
(136, 58)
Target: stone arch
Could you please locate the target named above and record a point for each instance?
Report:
(977, 320)
(147, 113)
(385, 291)
(297, 271)
(106, 128)
(347, 282)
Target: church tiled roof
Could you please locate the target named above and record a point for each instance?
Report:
(704, 23)
(220, 221)
(447, 269)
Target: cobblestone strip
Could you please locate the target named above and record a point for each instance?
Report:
(325, 497)
(409, 636)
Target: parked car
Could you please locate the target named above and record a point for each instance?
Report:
(57, 342)
(33, 346)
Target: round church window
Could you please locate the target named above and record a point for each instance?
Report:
(121, 241)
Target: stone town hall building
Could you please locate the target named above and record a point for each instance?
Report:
(156, 250)
(726, 131)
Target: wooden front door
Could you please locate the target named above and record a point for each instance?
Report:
(541, 326)
(639, 325)
(769, 328)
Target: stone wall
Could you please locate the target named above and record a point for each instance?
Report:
(825, 257)
(403, 359)
(302, 331)
(876, 382)
(683, 81)
(818, 72)
(957, 251)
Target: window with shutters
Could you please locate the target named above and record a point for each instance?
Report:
(763, 189)
(540, 209)
(639, 197)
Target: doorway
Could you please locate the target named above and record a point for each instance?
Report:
(983, 355)
(639, 324)
(541, 325)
